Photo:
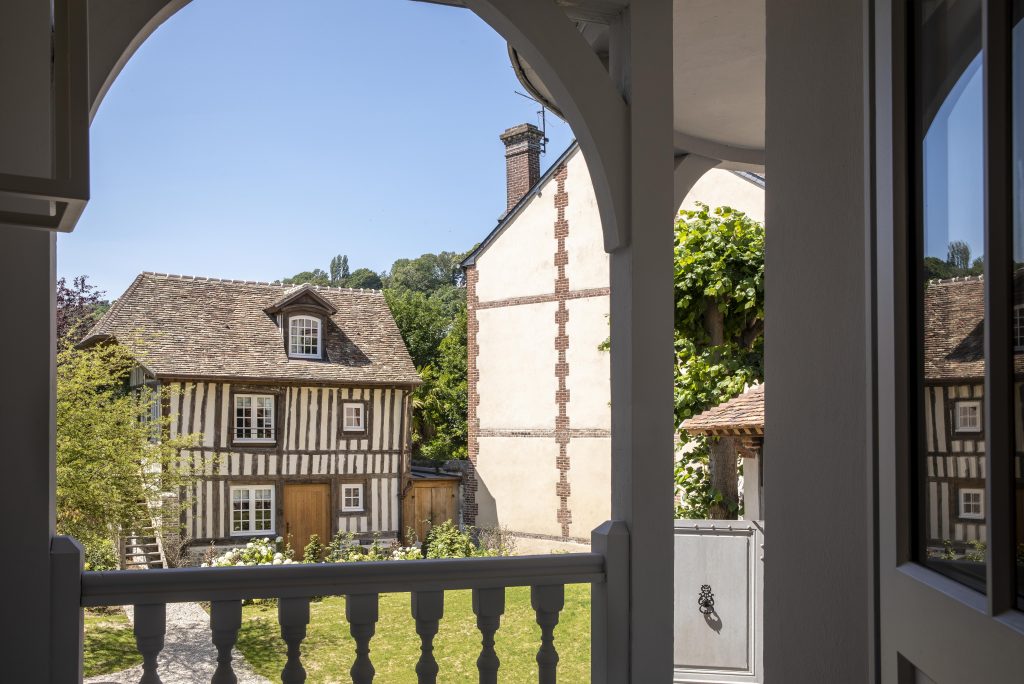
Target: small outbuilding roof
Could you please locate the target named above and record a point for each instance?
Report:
(742, 415)
(191, 327)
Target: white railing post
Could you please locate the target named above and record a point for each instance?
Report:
(427, 611)
(547, 601)
(609, 606)
(150, 627)
(225, 621)
(361, 611)
(489, 606)
(293, 616)
(66, 636)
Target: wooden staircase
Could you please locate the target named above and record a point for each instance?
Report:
(142, 550)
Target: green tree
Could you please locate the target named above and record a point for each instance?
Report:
(441, 403)
(363, 278)
(719, 341)
(423, 321)
(339, 269)
(315, 277)
(427, 273)
(112, 450)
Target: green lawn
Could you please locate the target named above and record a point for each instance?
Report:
(328, 650)
(109, 642)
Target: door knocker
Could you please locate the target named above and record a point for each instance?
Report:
(706, 600)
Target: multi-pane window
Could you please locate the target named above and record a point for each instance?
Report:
(252, 510)
(254, 418)
(1018, 327)
(351, 497)
(968, 416)
(972, 504)
(354, 415)
(304, 337)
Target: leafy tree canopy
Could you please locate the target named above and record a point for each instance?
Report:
(79, 305)
(108, 460)
(719, 340)
(363, 278)
(427, 273)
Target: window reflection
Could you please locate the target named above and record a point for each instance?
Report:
(1018, 287)
(950, 448)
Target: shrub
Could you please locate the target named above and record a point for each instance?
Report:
(100, 554)
(264, 551)
(448, 541)
(314, 550)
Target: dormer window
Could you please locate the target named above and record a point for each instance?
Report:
(304, 337)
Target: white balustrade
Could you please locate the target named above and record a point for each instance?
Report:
(360, 583)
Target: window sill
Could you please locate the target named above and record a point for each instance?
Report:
(253, 535)
(307, 357)
(263, 442)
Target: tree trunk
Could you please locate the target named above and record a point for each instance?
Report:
(722, 453)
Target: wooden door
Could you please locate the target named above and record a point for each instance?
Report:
(429, 503)
(307, 511)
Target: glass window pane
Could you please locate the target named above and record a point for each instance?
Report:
(1018, 286)
(948, 157)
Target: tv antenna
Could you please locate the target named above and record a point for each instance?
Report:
(542, 117)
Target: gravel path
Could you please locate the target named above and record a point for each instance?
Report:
(188, 656)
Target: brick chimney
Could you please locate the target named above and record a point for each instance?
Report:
(522, 160)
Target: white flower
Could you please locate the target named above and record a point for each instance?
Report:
(278, 561)
(279, 540)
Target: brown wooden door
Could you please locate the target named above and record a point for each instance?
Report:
(429, 503)
(307, 511)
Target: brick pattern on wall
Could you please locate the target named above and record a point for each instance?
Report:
(562, 435)
(470, 506)
(522, 160)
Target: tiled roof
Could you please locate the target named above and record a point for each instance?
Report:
(185, 327)
(742, 415)
(954, 314)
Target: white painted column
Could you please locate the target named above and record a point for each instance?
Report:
(26, 348)
(27, 404)
(642, 338)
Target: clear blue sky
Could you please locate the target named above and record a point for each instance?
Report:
(257, 138)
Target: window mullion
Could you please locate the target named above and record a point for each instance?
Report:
(999, 367)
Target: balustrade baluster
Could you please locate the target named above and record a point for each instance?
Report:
(489, 606)
(150, 627)
(361, 613)
(293, 616)
(427, 610)
(548, 601)
(225, 621)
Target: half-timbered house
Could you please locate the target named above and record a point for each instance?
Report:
(954, 434)
(300, 395)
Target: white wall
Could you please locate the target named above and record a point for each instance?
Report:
(721, 188)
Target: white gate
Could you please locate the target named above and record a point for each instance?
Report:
(719, 592)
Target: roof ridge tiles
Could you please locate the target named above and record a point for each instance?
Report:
(956, 279)
(237, 281)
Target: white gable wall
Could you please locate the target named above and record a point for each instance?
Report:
(541, 440)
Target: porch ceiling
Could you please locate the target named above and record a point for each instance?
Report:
(719, 93)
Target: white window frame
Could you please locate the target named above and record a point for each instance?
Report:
(249, 530)
(958, 425)
(970, 515)
(1018, 327)
(273, 420)
(352, 486)
(292, 320)
(345, 425)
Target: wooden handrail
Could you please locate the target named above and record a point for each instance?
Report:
(331, 579)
